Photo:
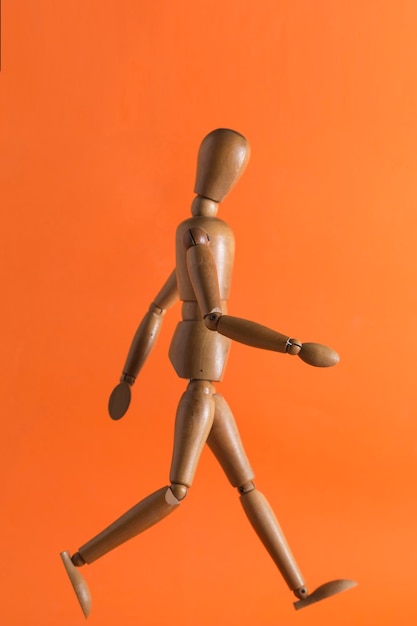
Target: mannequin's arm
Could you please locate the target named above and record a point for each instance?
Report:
(142, 344)
(203, 275)
(148, 330)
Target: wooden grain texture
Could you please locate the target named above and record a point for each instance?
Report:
(252, 333)
(222, 159)
(147, 512)
(266, 525)
(225, 443)
(193, 423)
(202, 271)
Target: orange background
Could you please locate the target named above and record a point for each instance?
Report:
(104, 105)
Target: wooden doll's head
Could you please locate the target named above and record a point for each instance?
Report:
(222, 159)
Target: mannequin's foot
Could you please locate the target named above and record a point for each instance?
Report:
(78, 583)
(322, 592)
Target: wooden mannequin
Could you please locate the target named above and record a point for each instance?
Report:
(198, 352)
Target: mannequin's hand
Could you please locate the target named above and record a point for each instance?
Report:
(318, 355)
(119, 400)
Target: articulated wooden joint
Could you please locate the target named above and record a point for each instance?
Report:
(156, 309)
(293, 346)
(195, 237)
(179, 491)
(202, 206)
(301, 593)
(212, 319)
(77, 559)
(246, 487)
(127, 378)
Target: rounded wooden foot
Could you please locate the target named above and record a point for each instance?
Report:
(325, 591)
(78, 583)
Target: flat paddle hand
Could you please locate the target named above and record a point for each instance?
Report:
(119, 400)
(318, 355)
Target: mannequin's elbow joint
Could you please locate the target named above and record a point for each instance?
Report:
(212, 320)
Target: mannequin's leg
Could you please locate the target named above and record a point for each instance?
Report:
(146, 513)
(225, 442)
(193, 423)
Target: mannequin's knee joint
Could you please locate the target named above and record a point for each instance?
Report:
(178, 491)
